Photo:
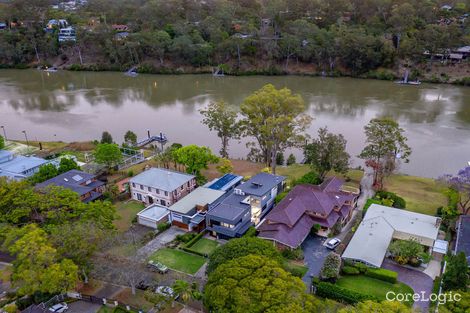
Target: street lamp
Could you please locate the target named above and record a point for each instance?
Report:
(4, 133)
(26, 137)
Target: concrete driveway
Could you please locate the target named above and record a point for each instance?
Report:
(417, 280)
(160, 241)
(314, 256)
(83, 307)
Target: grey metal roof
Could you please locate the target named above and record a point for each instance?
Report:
(260, 184)
(231, 208)
(19, 164)
(74, 180)
(162, 179)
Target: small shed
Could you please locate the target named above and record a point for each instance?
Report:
(153, 215)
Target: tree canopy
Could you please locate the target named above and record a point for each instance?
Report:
(255, 283)
(456, 275)
(327, 152)
(195, 159)
(219, 117)
(239, 247)
(274, 118)
(130, 137)
(2, 142)
(385, 145)
(108, 154)
(106, 138)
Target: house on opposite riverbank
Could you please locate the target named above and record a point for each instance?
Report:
(19, 167)
(161, 186)
(244, 206)
(326, 205)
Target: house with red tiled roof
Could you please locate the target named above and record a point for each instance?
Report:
(290, 222)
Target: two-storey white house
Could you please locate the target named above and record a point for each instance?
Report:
(161, 186)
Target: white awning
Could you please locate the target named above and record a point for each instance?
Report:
(440, 246)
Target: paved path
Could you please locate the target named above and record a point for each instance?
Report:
(159, 242)
(415, 279)
(366, 188)
(83, 307)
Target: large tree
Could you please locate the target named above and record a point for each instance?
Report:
(239, 247)
(456, 275)
(376, 307)
(219, 117)
(2, 142)
(461, 183)
(108, 154)
(130, 137)
(327, 152)
(37, 266)
(275, 119)
(385, 144)
(255, 283)
(195, 159)
(106, 137)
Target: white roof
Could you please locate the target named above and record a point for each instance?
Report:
(373, 236)
(464, 49)
(440, 246)
(154, 212)
(162, 179)
(200, 196)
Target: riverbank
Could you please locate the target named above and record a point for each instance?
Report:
(422, 195)
(437, 73)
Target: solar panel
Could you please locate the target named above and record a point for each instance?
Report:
(77, 178)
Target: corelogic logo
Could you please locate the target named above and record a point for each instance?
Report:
(418, 297)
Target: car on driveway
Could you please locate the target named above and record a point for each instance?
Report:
(166, 291)
(59, 308)
(333, 243)
(157, 267)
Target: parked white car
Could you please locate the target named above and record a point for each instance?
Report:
(59, 308)
(333, 243)
(166, 291)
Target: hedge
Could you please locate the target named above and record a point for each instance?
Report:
(382, 274)
(187, 246)
(350, 270)
(361, 267)
(331, 291)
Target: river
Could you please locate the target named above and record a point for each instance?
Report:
(75, 106)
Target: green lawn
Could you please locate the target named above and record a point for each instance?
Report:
(422, 195)
(301, 268)
(296, 171)
(205, 246)
(371, 286)
(126, 213)
(179, 260)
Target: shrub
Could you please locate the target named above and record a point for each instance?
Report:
(382, 274)
(331, 267)
(185, 237)
(331, 291)
(397, 202)
(311, 177)
(369, 202)
(280, 196)
(290, 160)
(251, 232)
(297, 272)
(163, 226)
(23, 303)
(361, 267)
(130, 173)
(193, 240)
(405, 250)
(10, 308)
(293, 254)
(350, 270)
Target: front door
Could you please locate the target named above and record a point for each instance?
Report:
(150, 200)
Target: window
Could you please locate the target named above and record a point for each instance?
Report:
(157, 191)
(182, 187)
(166, 193)
(139, 197)
(189, 185)
(227, 225)
(142, 187)
(133, 185)
(149, 188)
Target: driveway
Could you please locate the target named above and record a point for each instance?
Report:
(415, 279)
(160, 241)
(314, 256)
(83, 307)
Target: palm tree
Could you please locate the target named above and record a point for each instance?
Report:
(186, 291)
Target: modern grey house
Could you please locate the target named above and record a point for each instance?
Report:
(245, 206)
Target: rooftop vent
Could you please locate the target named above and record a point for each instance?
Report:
(257, 184)
(66, 179)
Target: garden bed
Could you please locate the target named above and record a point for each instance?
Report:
(179, 260)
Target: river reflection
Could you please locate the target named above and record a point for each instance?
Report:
(73, 106)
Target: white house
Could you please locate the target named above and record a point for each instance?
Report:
(161, 186)
(381, 224)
